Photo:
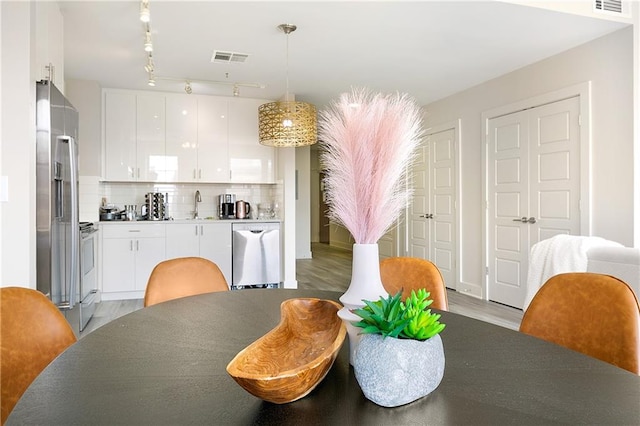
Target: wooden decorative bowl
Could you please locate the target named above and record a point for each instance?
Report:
(289, 361)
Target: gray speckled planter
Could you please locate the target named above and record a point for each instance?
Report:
(393, 372)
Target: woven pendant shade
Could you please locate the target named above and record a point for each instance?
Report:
(287, 124)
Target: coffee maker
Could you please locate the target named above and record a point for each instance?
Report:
(227, 206)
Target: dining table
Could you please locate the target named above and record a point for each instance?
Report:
(166, 365)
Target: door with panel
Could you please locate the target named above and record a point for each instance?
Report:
(432, 223)
(533, 190)
(443, 205)
(420, 206)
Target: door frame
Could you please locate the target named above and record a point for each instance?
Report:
(583, 91)
(456, 126)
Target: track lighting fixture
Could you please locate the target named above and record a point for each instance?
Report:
(149, 67)
(187, 87)
(236, 90)
(152, 80)
(145, 14)
(148, 46)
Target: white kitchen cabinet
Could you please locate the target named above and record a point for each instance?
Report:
(120, 136)
(249, 161)
(182, 138)
(150, 138)
(209, 240)
(129, 254)
(213, 145)
(165, 137)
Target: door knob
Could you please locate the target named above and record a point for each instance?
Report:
(525, 220)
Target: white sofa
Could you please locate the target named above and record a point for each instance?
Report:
(620, 262)
(573, 253)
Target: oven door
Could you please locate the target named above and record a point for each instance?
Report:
(88, 276)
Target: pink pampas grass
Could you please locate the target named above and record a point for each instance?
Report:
(369, 143)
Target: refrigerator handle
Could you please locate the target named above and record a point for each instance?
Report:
(75, 224)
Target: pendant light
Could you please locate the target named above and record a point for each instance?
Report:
(287, 123)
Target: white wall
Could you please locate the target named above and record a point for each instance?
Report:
(303, 203)
(17, 216)
(608, 63)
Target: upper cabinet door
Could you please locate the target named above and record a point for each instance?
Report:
(150, 119)
(213, 151)
(120, 136)
(182, 138)
(249, 161)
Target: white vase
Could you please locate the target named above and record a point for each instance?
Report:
(365, 285)
(393, 372)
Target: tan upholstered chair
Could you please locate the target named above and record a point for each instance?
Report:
(595, 314)
(181, 277)
(34, 332)
(412, 273)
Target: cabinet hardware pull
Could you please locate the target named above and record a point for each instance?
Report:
(196, 230)
(201, 230)
(137, 245)
(130, 245)
(194, 173)
(199, 173)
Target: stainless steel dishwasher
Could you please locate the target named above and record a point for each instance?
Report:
(256, 255)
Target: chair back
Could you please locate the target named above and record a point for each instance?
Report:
(33, 333)
(182, 277)
(412, 273)
(595, 314)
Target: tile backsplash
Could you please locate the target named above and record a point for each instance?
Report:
(181, 196)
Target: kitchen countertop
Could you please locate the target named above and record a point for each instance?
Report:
(183, 221)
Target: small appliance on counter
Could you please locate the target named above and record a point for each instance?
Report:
(243, 210)
(227, 206)
(155, 206)
(110, 212)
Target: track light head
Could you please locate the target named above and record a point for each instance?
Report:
(187, 87)
(148, 45)
(145, 13)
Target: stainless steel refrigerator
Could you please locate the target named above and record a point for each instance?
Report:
(57, 224)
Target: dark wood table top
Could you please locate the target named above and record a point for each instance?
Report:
(166, 365)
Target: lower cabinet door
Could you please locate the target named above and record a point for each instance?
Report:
(118, 265)
(182, 240)
(149, 252)
(215, 245)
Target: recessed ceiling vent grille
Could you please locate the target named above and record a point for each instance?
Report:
(222, 57)
(616, 7)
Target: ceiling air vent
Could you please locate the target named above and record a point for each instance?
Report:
(222, 57)
(610, 6)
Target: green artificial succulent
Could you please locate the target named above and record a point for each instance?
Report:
(393, 318)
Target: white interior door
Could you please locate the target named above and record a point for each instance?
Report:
(533, 190)
(508, 204)
(418, 224)
(443, 204)
(432, 223)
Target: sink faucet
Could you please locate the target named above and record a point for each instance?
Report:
(198, 199)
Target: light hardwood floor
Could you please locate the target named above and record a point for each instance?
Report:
(330, 269)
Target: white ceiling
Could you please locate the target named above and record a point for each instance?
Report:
(425, 48)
